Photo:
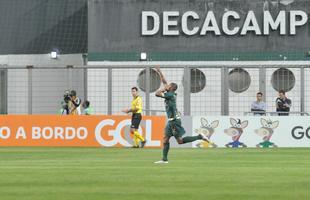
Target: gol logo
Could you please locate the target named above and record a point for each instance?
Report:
(108, 133)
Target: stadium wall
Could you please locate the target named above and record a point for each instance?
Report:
(116, 36)
(114, 131)
(40, 90)
(37, 27)
(110, 30)
(115, 30)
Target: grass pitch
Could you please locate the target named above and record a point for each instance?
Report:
(111, 173)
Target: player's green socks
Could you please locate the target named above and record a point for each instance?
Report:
(165, 151)
(191, 139)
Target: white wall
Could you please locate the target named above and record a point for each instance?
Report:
(207, 102)
(48, 85)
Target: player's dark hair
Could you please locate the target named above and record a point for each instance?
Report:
(134, 88)
(260, 93)
(174, 86)
(282, 91)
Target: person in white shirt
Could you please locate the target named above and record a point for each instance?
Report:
(258, 107)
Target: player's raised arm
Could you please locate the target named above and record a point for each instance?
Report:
(162, 77)
(160, 92)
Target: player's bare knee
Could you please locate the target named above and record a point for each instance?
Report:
(166, 139)
(179, 140)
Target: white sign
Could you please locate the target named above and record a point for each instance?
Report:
(116, 134)
(253, 131)
(174, 23)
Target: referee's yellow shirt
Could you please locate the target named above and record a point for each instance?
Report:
(136, 104)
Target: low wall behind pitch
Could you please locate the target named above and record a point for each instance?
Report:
(113, 131)
(84, 131)
(255, 131)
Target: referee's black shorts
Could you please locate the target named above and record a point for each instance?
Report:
(135, 120)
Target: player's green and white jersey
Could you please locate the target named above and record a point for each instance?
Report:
(171, 105)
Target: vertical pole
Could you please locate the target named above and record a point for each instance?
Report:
(29, 89)
(147, 89)
(4, 91)
(85, 70)
(110, 91)
(262, 81)
(225, 91)
(187, 91)
(302, 89)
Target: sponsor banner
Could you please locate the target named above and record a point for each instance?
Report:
(88, 131)
(196, 26)
(264, 131)
(114, 131)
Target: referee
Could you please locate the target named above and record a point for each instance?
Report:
(136, 110)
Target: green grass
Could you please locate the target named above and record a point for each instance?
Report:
(109, 173)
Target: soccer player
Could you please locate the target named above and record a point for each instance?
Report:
(136, 110)
(174, 127)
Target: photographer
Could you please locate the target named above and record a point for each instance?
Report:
(65, 103)
(74, 104)
(283, 104)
